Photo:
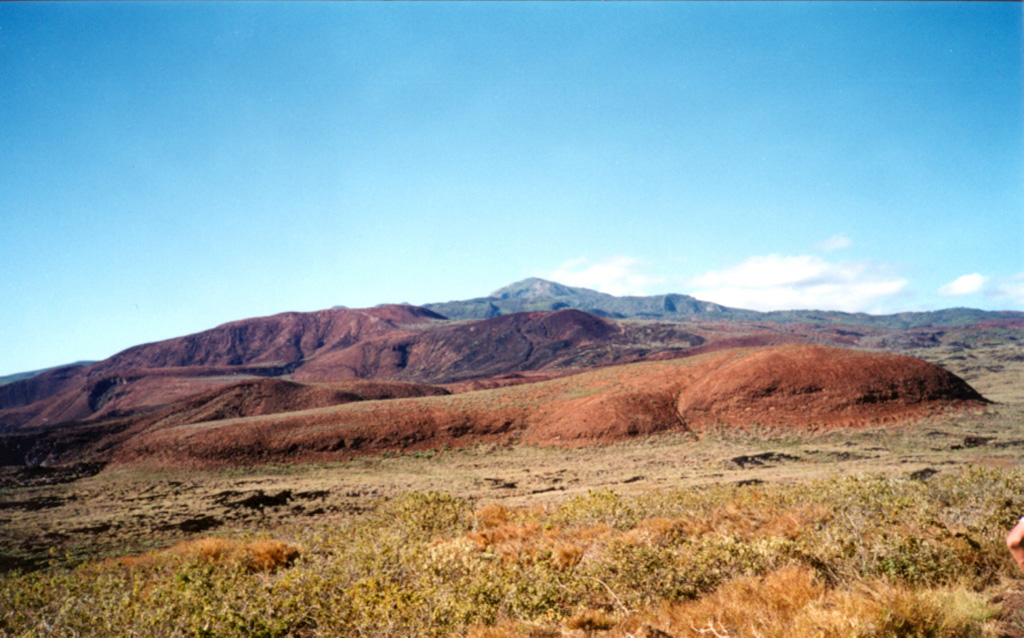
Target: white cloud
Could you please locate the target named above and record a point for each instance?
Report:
(618, 275)
(835, 242)
(965, 285)
(1003, 289)
(779, 282)
(1007, 289)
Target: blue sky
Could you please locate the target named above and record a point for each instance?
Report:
(167, 167)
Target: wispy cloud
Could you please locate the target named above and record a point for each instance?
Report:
(1009, 290)
(781, 282)
(965, 285)
(619, 275)
(835, 242)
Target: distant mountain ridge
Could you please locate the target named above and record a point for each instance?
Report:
(277, 345)
(535, 294)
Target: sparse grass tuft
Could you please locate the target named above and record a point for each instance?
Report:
(265, 555)
(491, 516)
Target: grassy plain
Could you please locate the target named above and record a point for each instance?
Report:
(889, 531)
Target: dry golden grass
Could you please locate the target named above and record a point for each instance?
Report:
(746, 520)
(790, 602)
(264, 555)
(491, 515)
(747, 606)
(521, 535)
(529, 540)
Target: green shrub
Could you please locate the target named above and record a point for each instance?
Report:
(424, 564)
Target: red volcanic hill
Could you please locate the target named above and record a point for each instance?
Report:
(815, 384)
(797, 386)
(257, 397)
(529, 341)
(93, 439)
(398, 343)
(153, 374)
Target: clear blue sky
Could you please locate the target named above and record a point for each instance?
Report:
(167, 167)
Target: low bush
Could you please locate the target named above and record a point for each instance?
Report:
(858, 556)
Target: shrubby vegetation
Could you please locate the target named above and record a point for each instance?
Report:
(854, 556)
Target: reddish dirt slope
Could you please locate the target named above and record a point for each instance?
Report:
(397, 343)
(803, 385)
(523, 342)
(256, 397)
(171, 369)
(279, 341)
(93, 440)
(793, 386)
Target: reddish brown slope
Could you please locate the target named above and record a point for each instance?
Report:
(815, 384)
(280, 341)
(482, 349)
(168, 370)
(93, 440)
(390, 343)
(257, 397)
(804, 385)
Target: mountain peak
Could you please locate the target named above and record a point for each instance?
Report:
(536, 294)
(534, 288)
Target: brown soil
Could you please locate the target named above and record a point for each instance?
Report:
(256, 397)
(812, 385)
(793, 386)
(1012, 614)
(94, 440)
